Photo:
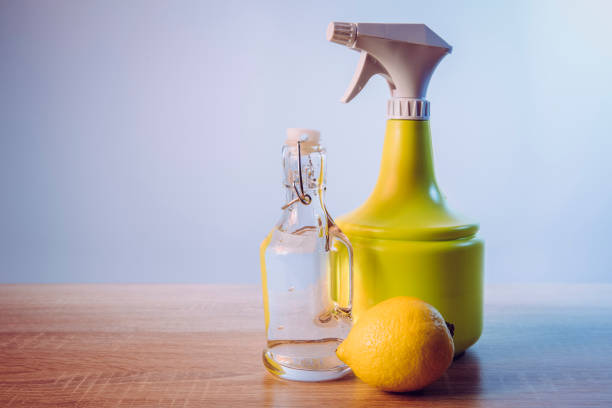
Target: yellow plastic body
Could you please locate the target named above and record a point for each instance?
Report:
(406, 240)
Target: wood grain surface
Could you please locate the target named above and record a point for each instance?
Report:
(199, 345)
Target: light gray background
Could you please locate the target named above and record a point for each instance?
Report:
(140, 141)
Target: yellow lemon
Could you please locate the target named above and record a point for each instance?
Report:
(401, 344)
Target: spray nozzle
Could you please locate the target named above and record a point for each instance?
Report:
(404, 54)
(342, 33)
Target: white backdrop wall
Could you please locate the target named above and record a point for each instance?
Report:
(140, 141)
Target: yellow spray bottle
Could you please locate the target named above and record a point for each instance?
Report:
(406, 240)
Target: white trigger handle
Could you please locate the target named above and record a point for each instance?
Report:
(367, 67)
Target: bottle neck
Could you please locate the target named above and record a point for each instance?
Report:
(406, 170)
(311, 167)
(316, 196)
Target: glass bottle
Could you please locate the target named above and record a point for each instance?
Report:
(306, 264)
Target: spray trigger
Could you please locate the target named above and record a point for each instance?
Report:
(367, 67)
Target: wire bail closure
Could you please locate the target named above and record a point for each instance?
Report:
(301, 197)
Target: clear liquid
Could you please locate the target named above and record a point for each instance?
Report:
(305, 325)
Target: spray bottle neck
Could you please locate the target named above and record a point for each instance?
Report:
(406, 203)
(406, 170)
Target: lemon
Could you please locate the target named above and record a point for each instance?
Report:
(401, 344)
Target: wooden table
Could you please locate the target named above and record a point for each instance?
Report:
(198, 345)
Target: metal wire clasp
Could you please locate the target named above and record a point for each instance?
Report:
(303, 198)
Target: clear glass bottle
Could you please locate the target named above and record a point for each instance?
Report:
(306, 264)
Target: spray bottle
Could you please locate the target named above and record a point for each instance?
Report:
(405, 238)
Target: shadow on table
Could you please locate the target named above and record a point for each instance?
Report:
(462, 381)
(463, 378)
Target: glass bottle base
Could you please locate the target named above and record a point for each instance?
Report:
(304, 360)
